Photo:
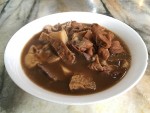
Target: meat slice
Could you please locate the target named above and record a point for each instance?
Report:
(95, 65)
(90, 51)
(100, 38)
(76, 25)
(40, 54)
(110, 36)
(78, 35)
(81, 44)
(44, 37)
(31, 60)
(109, 68)
(80, 81)
(116, 47)
(88, 35)
(56, 27)
(57, 40)
(51, 75)
(84, 44)
(47, 29)
(98, 29)
(62, 50)
(104, 53)
(87, 56)
(45, 54)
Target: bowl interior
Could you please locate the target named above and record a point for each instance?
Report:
(127, 34)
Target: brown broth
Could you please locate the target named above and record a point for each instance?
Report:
(102, 80)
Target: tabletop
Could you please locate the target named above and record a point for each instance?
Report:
(16, 13)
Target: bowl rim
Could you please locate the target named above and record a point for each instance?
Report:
(70, 99)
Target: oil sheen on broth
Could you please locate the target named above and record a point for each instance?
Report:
(87, 58)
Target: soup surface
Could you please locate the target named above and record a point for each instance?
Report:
(75, 58)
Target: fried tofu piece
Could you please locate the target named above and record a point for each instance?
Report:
(80, 81)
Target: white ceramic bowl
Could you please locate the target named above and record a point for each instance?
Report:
(12, 57)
